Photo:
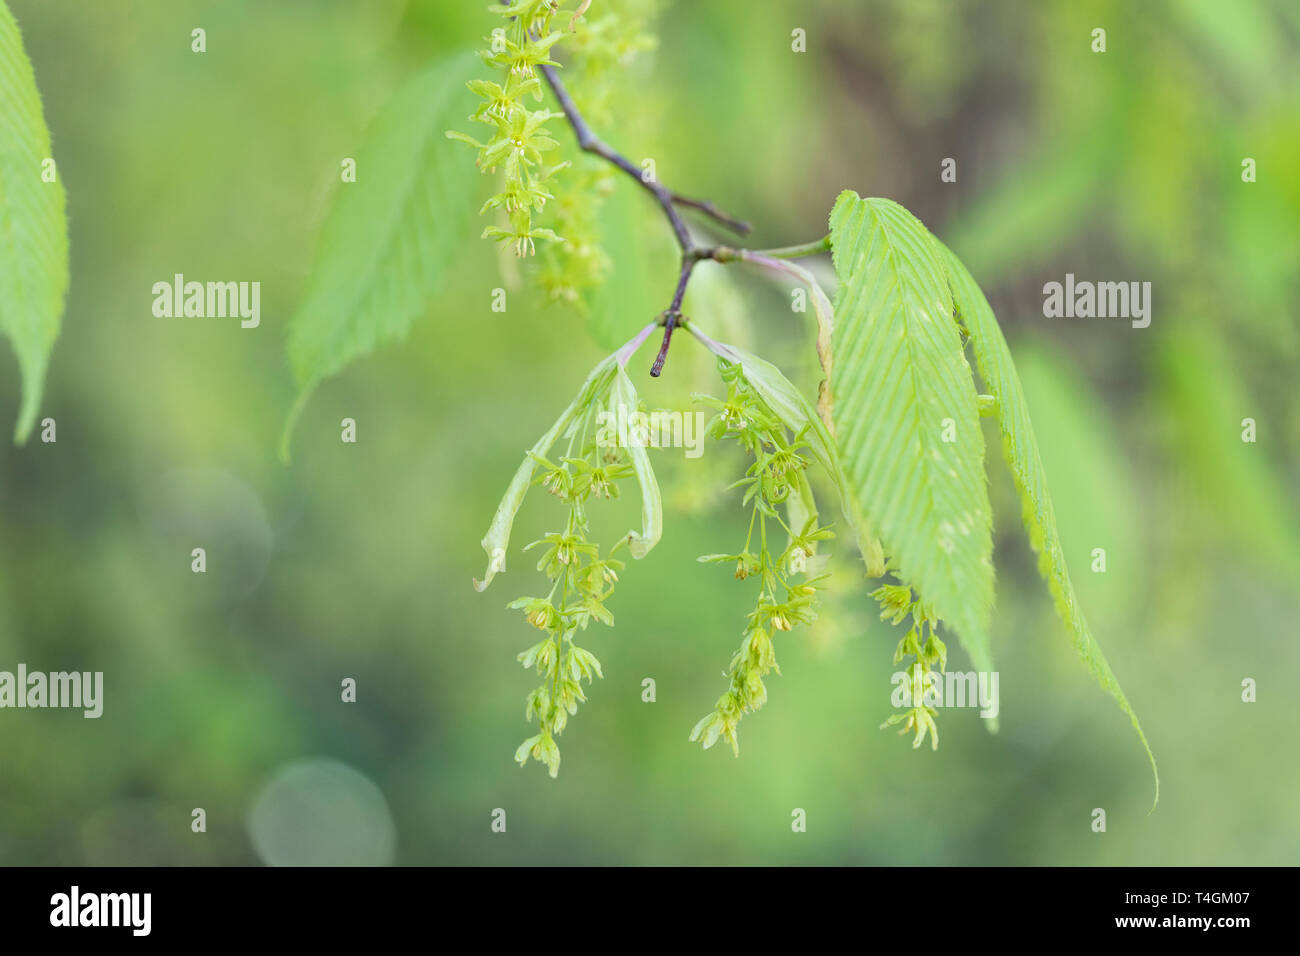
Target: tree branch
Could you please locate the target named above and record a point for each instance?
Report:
(668, 200)
(738, 226)
(673, 316)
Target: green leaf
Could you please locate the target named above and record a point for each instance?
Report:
(900, 386)
(33, 226)
(389, 238)
(1021, 448)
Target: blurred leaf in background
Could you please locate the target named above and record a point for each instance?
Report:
(33, 224)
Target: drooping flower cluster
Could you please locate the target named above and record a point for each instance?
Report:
(581, 577)
(922, 643)
(786, 596)
(600, 44)
(581, 582)
(519, 136)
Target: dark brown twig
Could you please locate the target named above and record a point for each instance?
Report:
(668, 202)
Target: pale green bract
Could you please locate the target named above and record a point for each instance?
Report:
(390, 237)
(607, 380)
(33, 226)
(1021, 447)
(497, 540)
(652, 509)
(823, 310)
(905, 413)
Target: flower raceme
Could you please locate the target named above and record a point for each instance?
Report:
(774, 479)
(783, 536)
(519, 136)
(921, 642)
(582, 576)
(519, 146)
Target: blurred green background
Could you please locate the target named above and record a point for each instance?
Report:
(222, 690)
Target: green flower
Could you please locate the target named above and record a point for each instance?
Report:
(543, 655)
(909, 645)
(524, 239)
(582, 664)
(895, 602)
(541, 748)
(920, 719)
(517, 195)
(597, 478)
(501, 100)
(746, 563)
(537, 703)
(521, 139)
(565, 551)
(539, 612)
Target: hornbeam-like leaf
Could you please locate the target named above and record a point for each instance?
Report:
(390, 237)
(33, 225)
(905, 413)
(1021, 448)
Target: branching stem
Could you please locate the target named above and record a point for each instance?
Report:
(791, 252)
(669, 201)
